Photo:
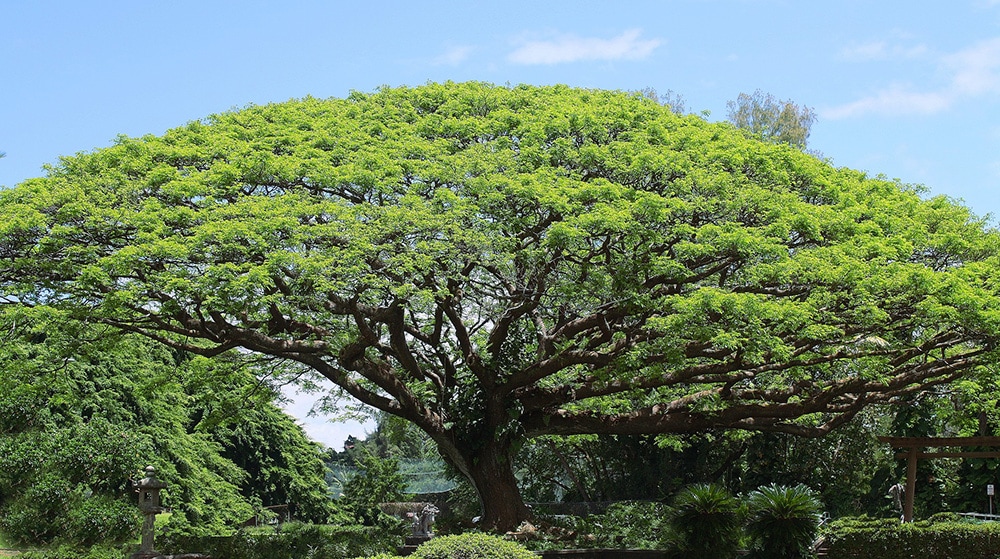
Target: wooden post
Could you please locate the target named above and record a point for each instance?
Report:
(911, 483)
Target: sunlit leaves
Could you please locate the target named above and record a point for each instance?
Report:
(399, 241)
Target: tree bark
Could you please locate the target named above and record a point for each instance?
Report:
(492, 474)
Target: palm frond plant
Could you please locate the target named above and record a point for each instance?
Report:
(782, 521)
(705, 523)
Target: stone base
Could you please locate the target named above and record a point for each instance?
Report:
(411, 544)
(160, 555)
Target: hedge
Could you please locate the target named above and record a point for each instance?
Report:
(942, 536)
(292, 541)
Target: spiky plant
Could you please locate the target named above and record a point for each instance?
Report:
(782, 521)
(705, 520)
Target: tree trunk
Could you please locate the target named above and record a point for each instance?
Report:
(492, 474)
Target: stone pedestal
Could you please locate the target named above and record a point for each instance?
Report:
(410, 545)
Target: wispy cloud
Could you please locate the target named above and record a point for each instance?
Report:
(894, 100)
(971, 72)
(976, 70)
(453, 56)
(571, 48)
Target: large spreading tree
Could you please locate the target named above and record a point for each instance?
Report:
(500, 263)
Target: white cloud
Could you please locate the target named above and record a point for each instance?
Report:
(971, 72)
(453, 56)
(976, 69)
(571, 48)
(895, 100)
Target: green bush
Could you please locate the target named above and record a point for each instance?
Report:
(862, 538)
(293, 540)
(705, 523)
(67, 551)
(102, 519)
(624, 525)
(782, 521)
(472, 545)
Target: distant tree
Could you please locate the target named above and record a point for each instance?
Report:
(674, 100)
(671, 99)
(777, 121)
(497, 264)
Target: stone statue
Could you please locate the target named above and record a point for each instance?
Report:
(422, 521)
(898, 494)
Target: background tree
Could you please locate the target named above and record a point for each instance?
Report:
(763, 115)
(671, 99)
(496, 264)
(83, 409)
(419, 463)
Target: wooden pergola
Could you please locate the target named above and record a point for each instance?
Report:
(915, 449)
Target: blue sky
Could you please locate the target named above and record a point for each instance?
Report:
(908, 89)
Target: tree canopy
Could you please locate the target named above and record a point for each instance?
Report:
(500, 263)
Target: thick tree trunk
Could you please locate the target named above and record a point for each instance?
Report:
(492, 474)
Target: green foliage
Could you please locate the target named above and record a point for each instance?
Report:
(705, 521)
(496, 264)
(849, 468)
(782, 521)
(294, 540)
(377, 481)
(601, 468)
(282, 465)
(67, 551)
(84, 410)
(421, 466)
(862, 538)
(472, 545)
(628, 525)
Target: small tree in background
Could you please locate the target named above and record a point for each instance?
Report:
(764, 115)
(379, 481)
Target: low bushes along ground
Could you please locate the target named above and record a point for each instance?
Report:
(943, 535)
(472, 545)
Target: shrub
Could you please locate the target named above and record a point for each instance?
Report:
(862, 538)
(102, 519)
(472, 545)
(705, 521)
(66, 551)
(626, 524)
(294, 540)
(782, 521)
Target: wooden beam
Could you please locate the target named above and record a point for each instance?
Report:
(948, 454)
(909, 442)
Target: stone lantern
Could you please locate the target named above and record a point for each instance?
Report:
(148, 489)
